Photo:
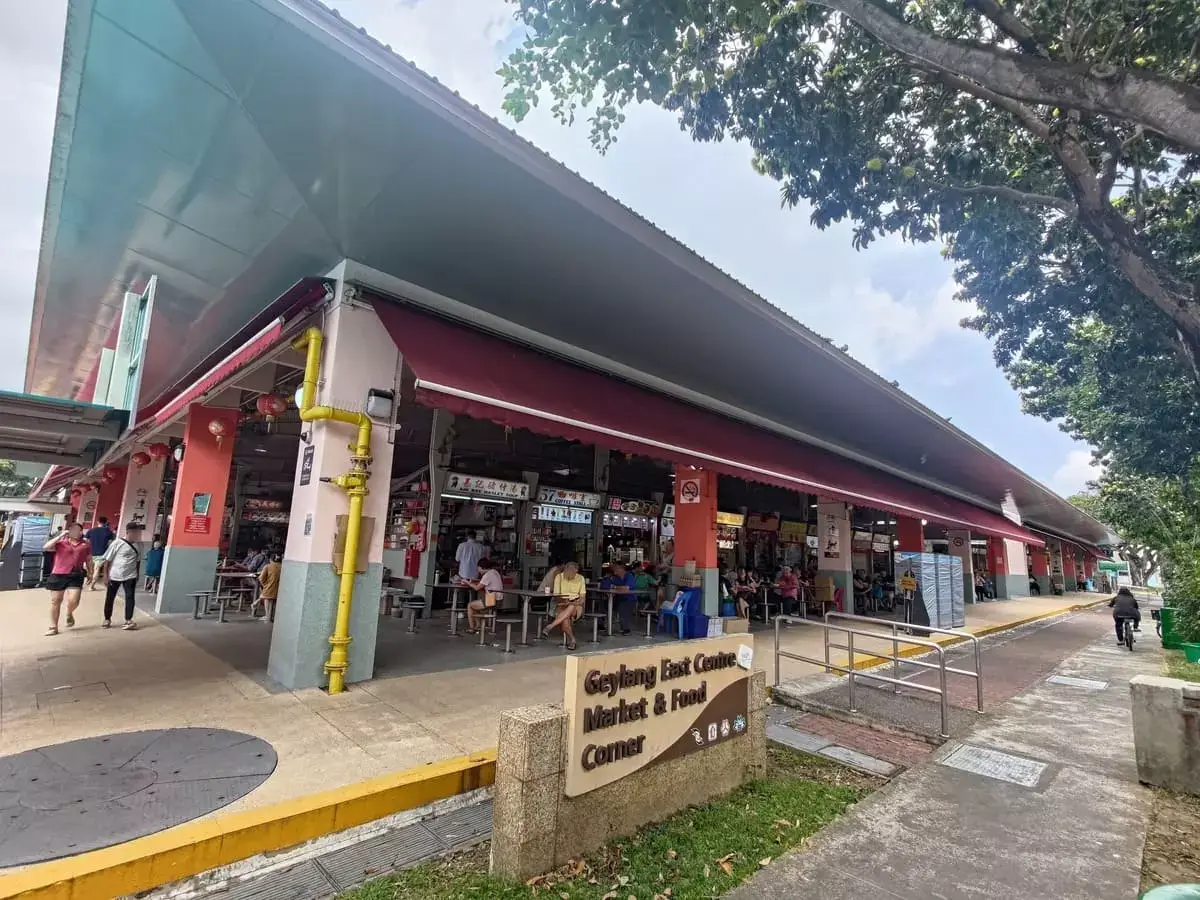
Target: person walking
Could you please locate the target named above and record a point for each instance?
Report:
(99, 537)
(123, 561)
(71, 557)
(467, 555)
(154, 561)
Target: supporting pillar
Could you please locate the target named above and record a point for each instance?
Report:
(910, 534)
(960, 546)
(1039, 568)
(1089, 568)
(595, 551)
(441, 445)
(108, 504)
(143, 489)
(1057, 573)
(1010, 573)
(358, 355)
(834, 562)
(1070, 568)
(190, 561)
(696, 532)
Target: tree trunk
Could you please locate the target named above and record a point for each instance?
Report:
(1169, 107)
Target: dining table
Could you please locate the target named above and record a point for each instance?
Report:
(454, 587)
(233, 575)
(612, 594)
(527, 596)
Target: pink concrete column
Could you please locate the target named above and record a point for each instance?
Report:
(143, 489)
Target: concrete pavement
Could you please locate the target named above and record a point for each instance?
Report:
(1069, 824)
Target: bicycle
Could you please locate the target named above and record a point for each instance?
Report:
(1127, 632)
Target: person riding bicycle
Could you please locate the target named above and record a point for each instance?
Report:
(1125, 606)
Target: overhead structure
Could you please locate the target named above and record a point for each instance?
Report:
(55, 431)
(285, 141)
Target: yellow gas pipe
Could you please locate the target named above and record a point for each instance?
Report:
(354, 483)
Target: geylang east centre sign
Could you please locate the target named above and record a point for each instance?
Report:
(629, 708)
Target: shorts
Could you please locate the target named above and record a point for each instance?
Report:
(65, 582)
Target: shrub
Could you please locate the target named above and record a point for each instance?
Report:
(1182, 590)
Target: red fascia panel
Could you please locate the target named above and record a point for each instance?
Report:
(475, 374)
(249, 352)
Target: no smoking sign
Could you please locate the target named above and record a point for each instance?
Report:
(689, 490)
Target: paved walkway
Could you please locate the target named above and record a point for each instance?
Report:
(174, 672)
(1041, 800)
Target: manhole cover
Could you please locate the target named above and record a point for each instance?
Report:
(994, 764)
(1089, 684)
(69, 798)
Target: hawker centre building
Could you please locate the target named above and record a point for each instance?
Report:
(294, 293)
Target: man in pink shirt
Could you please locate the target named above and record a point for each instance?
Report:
(787, 586)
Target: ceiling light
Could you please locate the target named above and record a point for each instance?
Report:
(924, 521)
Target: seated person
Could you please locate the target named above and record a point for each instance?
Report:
(645, 580)
(489, 585)
(861, 588)
(1125, 606)
(571, 589)
(787, 589)
(743, 592)
(620, 581)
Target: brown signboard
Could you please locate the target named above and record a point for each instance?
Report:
(627, 709)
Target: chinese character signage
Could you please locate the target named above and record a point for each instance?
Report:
(633, 507)
(793, 532)
(564, 497)
(483, 486)
(763, 522)
(548, 513)
(733, 520)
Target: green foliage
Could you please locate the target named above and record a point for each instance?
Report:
(1075, 233)
(1182, 590)
(12, 484)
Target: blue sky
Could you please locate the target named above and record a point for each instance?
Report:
(892, 304)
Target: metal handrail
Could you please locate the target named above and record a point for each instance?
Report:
(849, 671)
(926, 629)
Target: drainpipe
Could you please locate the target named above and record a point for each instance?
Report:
(354, 483)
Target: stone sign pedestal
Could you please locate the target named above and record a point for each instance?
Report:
(536, 827)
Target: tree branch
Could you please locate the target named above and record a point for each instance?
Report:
(1025, 198)
(1024, 114)
(1168, 107)
(1109, 162)
(1010, 25)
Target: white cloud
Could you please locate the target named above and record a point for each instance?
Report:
(1076, 471)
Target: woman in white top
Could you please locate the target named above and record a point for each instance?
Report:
(490, 585)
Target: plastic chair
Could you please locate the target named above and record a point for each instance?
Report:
(679, 608)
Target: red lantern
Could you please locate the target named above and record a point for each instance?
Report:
(271, 405)
(111, 474)
(141, 458)
(158, 451)
(217, 429)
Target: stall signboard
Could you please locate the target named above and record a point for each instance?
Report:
(668, 511)
(634, 507)
(793, 532)
(762, 522)
(733, 520)
(667, 528)
(881, 546)
(482, 486)
(628, 709)
(627, 520)
(546, 512)
(564, 497)
(306, 464)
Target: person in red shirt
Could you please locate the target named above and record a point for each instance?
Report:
(787, 586)
(71, 556)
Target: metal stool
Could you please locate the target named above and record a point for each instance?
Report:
(202, 599)
(487, 616)
(508, 622)
(411, 608)
(595, 617)
(651, 615)
(223, 601)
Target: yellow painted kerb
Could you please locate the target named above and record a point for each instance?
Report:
(190, 849)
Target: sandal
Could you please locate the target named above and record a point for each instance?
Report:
(52, 631)
(571, 647)
(70, 620)
(471, 631)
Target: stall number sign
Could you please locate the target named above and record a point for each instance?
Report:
(628, 709)
(561, 497)
(482, 486)
(546, 513)
(634, 507)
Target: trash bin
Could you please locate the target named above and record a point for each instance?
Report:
(1170, 640)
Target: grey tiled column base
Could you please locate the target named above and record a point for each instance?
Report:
(843, 580)
(304, 619)
(1043, 581)
(185, 570)
(1010, 586)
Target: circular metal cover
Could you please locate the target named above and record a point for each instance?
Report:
(69, 798)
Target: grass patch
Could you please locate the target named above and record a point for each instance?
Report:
(1175, 665)
(698, 852)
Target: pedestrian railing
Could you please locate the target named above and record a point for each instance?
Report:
(920, 629)
(852, 675)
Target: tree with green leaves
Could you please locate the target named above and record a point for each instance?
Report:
(1052, 145)
(11, 483)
